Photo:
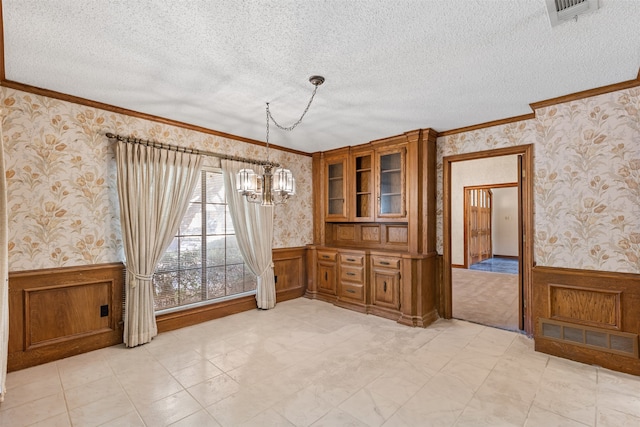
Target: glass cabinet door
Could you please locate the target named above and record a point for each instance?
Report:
(336, 188)
(391, 184)
(363, 182)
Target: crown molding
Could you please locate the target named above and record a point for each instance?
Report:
(547, 103)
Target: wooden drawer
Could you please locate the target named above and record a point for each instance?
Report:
(352, 274)
(327, 256)
(352, 291)
(352, 259)
(385, 262)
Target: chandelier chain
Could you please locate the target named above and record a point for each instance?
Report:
(293, 126)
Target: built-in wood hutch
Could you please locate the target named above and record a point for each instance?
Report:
(375, 228)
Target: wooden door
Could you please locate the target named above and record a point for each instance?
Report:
(478, 209)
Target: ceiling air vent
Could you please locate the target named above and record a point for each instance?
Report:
(565, 10)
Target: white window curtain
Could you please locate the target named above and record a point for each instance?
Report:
(4, 274)
(253, 225)
(154, 188)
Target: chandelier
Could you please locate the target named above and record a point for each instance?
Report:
(276, 184)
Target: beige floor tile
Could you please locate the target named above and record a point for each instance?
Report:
(60, 420)
(214, 390)
(229, 361)
(619, 392)
(84, 373)
(147, 388)
(541, 418)
(337, 417)
(501, 384)
(29, 391)
(303, 408)
(267, 418)
(199, 419)
(176, 360)
(494, 410)
(569, 400)
(399, 385)
(173, 408)
(369, 407)
(34, 411)
(30, 375)
(238, 408)
(194, 374)
(101, 411)
(211, 348)
(92, 392)
(311, 363)
(610, 418)
(132, 419)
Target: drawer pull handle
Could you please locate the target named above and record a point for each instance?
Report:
(351, 291)
(384, 263)
(351, 273)
(385, 286)
(325, 276)
(325, 256)
(350, 259)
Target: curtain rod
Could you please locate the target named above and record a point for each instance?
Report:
(163, 146)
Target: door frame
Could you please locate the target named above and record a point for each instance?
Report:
(526, 203)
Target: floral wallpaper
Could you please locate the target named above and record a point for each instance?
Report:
(587, 179)
(61, 179)
(63, 208)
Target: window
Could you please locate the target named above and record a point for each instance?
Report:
(203, 262)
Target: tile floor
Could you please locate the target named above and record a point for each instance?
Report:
(308, 363)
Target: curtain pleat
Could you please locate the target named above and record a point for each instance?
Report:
(253, 225)
(154, 188)
(4, 274)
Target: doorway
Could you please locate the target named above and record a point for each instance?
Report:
(485, 289)
(453, 228)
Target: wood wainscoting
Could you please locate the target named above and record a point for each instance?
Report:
(291, 282)
(588, 316)
(61, 312)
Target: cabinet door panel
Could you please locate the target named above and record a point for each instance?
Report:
(327, 277)
(362, 186)
(391, 171)
(386, 288)
(336, 174)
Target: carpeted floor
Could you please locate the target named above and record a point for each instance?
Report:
(487, 298)
(497, 265)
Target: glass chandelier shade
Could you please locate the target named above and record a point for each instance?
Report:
(267, 189)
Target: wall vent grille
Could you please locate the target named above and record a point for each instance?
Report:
(565, 10)
(621, 343)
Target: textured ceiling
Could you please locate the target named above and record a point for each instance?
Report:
(390, 66)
